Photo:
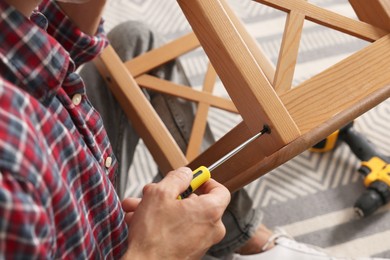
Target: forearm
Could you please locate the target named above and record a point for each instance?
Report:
(85, 16)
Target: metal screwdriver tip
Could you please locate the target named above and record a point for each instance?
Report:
(266, 130)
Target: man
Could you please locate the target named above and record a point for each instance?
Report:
(245, 235)
(56, 164)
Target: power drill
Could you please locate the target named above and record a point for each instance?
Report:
(375, 168)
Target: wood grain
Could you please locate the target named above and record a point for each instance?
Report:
(328, 18)
(288, 52)
(244, 80)
(375, 12)
(156, 57)
(168, 87)
(201, 114)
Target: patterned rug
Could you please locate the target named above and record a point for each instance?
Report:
(312, 195)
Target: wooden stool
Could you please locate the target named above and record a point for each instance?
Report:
(299, 116)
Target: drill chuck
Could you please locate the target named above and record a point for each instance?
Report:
(375, 196)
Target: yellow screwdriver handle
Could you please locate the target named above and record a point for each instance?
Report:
(200, 176)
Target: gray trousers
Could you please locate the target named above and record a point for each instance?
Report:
(131, 39)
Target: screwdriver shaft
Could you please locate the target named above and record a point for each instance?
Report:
(266, 129)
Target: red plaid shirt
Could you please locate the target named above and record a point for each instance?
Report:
(56, 163)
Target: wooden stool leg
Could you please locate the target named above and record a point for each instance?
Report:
(375, 12)
(139, 110)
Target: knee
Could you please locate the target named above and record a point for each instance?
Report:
(131, 39)
(136, 29)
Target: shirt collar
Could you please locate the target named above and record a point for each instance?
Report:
(35, 61)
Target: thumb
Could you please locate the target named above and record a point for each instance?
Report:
(177, 181)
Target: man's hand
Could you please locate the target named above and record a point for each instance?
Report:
(163, 227)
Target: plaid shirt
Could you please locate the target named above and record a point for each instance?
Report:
(56, 164)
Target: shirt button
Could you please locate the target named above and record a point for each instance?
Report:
(76, 99)
(108, 162)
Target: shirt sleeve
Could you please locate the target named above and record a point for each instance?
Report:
(24, 224)
(82, 47)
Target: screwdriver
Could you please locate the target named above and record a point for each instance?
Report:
(203, 174)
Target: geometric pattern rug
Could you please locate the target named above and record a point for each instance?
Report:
(310, 196)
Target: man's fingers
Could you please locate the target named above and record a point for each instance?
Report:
(216, 189)
(130, 204)
(176, 181)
